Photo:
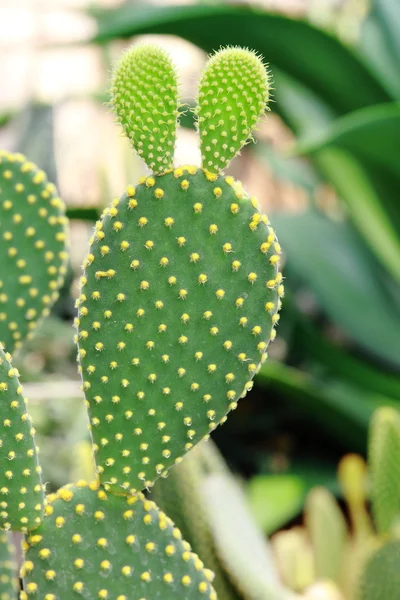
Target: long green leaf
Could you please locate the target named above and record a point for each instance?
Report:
(372, 133)
(296, 47)
(368, 208)
(329, 257)
(338, 408)
(380, 43)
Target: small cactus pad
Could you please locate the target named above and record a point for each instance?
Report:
(8, 569)
(21, 490)
(178, 303)
(234, 91)
(96, 545)
(383, 459)
(144, 97)
(32, 249)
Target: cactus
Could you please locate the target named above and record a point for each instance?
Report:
(181, 287)
(381, 577)
(21, 489)
(179, 298)
(8, 569)
(327, 529)
(33, 234)
(112, 547)
(384, 452)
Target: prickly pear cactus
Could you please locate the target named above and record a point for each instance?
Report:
(383, 459)
(181, 288)
(97, 545)
(21, 489)
(33, 240)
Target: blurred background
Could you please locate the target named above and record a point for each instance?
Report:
(325, 169)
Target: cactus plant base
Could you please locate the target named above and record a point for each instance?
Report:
(97, 545)
(178, 302)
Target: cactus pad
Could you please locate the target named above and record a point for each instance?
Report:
(96, 545)
(8, 568)
(178, 302)
(383, 459)
(32, 251)
(144, 99)
(381, 576)
(21, 490)
(234, 91)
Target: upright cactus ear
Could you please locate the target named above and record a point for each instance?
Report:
(9, 584)
(234, 91)
(32, 249)
(96, 545)
(21, 490)
(384, 463)
(144, 97)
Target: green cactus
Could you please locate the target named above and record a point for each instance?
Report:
(144, 100)
(328, 533)
(119, 547)
(381, 577)
(384, 463)
(233, 94)
(179, 297)
(33, 234)
(8, 569)
(181, 496)
(178, 302)
(21, 489)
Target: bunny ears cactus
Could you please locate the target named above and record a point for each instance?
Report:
(233, 95)
(181, 288)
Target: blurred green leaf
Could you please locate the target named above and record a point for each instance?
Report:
(380, 43)
(275, 499)
(242, 547)
(342, 409)
(372, 132)
(341, 363)
(369, 191)
(319, 60)
(371, 210)
(330, 258)
(297, 171)
(35, 126)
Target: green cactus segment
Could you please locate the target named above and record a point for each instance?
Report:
(328, 532)
(21, 490)
(383, 459)
(180, 496)
(144, 97)
(32, 249)
(8, 569)
(178, 303)
(381, 577)
(112, 547)
(233, 93)
(242, 548)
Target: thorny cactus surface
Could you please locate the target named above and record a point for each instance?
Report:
(32, 252)
(181, 288)
(179, 299)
